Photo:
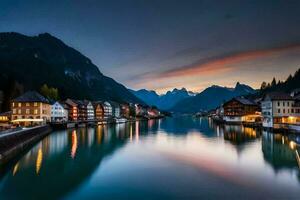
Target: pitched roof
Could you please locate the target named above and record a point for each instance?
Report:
(245, 101)
(278, 96)
(31, 96)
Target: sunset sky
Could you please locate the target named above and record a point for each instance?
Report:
(162, 44)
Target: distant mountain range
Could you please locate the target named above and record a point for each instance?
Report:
(26, 63)
(164, 101)
(183, 101)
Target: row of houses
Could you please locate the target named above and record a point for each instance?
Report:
(274, 110)
(32, 108)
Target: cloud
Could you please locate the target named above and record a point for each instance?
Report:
(224, 63)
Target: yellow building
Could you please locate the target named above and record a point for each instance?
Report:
(30, 109)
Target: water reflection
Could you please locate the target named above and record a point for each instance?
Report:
(208, 159)
(280, 150)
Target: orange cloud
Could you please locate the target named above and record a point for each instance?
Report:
(225, 63)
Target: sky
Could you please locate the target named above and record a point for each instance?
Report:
(163, 44)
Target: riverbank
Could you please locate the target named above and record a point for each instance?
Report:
(276, 128)
(15, 142)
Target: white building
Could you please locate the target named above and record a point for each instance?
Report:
(279, 109)
(107, 107)
(90, 111)
(58, 112)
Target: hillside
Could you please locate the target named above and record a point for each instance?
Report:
(211, 98)
(26, 63)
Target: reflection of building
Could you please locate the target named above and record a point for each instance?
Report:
(239, 135)
(280, 109)
(30, 108)
(240, 109)
(278, 150)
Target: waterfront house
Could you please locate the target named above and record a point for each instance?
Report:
(59, 112)
(153, 112)
(85, 110)
(72, 108)
(108, 113)
(90, 110)
(240, 109)
(280, 110)
(31, 108)
(115, 109)
(125, 110)
(98, 110)
(140, 110)
(5, 120)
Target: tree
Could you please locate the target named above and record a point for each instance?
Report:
(49, 92)
(273, 83)
(263, 85)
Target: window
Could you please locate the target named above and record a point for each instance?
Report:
(19, 104)
(13, 104)
(35, 104)
(283, 103)
(288, 111)
(27, 111)
(19, 111)
(278, 103)
(27, 104)
(14, 111)
(278, 110)
(283, 110)
(292, 110)
(288, 103)
(35, 111)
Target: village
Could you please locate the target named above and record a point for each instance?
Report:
(277, 111)
(32, 109)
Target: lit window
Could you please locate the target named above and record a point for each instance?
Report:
(14, 111)
(13, 104)
(19, 104)
(27, 104)
(19, 111)
(27, 111)
(35, 104)
(35, 111)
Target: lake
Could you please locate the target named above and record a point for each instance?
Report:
(172, 158)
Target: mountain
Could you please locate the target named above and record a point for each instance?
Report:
(211, 98)
(26, 63)
(164, 101)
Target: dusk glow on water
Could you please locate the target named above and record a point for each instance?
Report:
(180, 157)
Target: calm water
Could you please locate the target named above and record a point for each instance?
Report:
(177, 158)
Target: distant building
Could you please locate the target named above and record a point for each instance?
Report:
(59, 112)
(98, 110)
(30, 108)
(240, 109)
(72, 108)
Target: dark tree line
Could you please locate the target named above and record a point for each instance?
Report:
(291, 83)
